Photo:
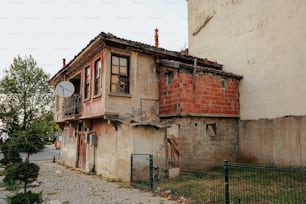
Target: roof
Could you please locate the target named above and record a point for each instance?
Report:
(108, 39)
(180, 65)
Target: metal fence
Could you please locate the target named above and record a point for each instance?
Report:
(237, 183)
(142, 171)
(259, 184)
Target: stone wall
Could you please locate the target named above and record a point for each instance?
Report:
(203, 139)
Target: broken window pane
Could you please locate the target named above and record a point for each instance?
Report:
(120, 74)
(123, 84)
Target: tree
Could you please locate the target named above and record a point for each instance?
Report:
(26, 173)
(25, 93)
(26, 101)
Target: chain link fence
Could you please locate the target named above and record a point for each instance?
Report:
(222, 182)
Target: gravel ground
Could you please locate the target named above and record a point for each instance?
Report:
(61, 185)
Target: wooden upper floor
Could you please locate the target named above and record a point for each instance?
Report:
(118, 78)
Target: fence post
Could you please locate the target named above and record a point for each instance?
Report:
(131, 173)
(151, 172)
(227, 199)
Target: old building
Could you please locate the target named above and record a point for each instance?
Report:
(263, 41)
(131, 97)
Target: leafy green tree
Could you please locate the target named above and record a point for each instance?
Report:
(25, 93)
(26, 101)
(25, 104)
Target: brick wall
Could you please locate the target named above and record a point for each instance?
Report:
(202, 95)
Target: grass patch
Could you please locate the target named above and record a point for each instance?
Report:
(246, 184)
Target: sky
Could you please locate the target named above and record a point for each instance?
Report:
(51, 30)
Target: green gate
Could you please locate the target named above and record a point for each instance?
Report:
(142, 171)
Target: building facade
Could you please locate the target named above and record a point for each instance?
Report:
(261, 40)
(133, 98)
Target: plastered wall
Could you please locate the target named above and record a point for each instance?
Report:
(261, 40)
(114, 148)
(264, 42)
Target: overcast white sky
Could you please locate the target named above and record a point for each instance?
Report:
(54, 29)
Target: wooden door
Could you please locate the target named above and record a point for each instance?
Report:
(82, 151)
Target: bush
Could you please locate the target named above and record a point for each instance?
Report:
(24, 172)
(10, 153)
(25, 198)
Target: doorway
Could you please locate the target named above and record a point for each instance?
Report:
(81, 151)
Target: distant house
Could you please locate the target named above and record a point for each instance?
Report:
(132, 97)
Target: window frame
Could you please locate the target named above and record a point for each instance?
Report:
(211, 129)
(121, 76)
(87, 83)
(168, 77)
(97, 78)
(224, 83)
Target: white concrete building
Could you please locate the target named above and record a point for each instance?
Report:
(264, 42)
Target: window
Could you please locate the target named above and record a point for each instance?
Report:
(168, 78)
(224, 84)
(80, 127)
(211, 129)
(87, 80)
(97, 77)
(120, 74)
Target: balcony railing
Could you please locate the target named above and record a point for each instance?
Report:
(72, 106)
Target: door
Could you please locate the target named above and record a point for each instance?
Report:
(81, 151)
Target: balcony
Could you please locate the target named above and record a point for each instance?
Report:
(72, 106)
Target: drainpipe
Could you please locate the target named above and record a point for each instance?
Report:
(94, 160)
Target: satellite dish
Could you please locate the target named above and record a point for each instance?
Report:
(64, 89)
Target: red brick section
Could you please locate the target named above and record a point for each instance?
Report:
(207, 96)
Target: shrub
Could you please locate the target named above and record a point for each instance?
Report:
(25, 172)
(25, 198)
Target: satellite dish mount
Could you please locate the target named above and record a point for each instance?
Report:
(64, 89)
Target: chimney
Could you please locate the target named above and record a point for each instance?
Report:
(156, 37)
(64, 62)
